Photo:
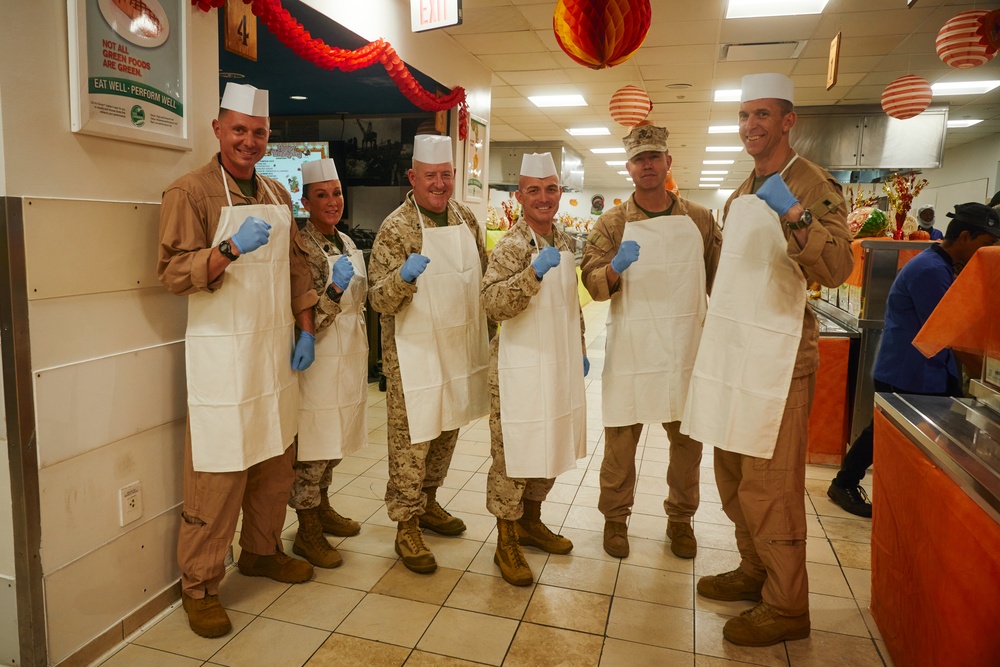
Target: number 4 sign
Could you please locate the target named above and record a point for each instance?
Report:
(241, 30)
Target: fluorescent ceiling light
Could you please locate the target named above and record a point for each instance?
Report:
(723, 149)
(589, 131)
(558, 101)
(723, 129)
(708, 185)
(964, 87)
(601, 151)
(623, 173)
(713, 173)
(616, 163)
(712, 179)
(298, 97)
(744, 9)
(629, 180)
(718, 161)
(969, 122)
(728, 95)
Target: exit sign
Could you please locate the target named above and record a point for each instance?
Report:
(431, 14)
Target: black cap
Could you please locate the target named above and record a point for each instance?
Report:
(978, 215)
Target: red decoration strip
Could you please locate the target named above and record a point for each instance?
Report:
(292, 34)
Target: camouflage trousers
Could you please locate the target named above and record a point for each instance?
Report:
(413, 466)
(504, 494)
(311, 479)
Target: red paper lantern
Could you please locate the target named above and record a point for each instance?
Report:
(629, 105)
(959, 43)
(906, 97)
(601, 33)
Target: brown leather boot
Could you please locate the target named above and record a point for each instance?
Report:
(436, 518)
(333, 523)
(411, 548)
(311, 544)
(731, 586)
(765, 626)
(509, 558)
(616, 538)
(278, 566)
(206, 615)
(531, 532)
(682, 540)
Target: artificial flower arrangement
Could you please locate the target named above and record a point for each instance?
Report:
(901, 190)
(572, 222)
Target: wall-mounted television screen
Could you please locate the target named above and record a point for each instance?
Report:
(282, 161)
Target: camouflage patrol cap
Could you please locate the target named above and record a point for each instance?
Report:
(644, 138)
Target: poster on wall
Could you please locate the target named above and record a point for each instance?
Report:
(282, 161)
(475, 159)
(128, 70)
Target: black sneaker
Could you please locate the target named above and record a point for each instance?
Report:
(853, 500)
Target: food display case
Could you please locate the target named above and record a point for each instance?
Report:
(857, 311)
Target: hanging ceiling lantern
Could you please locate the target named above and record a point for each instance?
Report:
(629, 105)
(601, 33)
(906, 97)
(960, 44)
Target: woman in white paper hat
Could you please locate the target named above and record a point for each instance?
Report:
(333, 392)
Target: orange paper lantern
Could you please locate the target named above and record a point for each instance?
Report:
(629, 105)
(600, 33)
(959, 43)
(906, 97)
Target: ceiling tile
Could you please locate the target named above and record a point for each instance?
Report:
(520, 61)
(525, 41)
(518, 78)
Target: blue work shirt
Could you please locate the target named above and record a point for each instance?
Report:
(936, 234)
(914, 294)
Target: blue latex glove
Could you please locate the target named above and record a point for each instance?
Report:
(413, 267)
(343, 271)
(776, 194)
(547, 258)
(586, 366)
(628, 253)
(252, 235)
(305, 352)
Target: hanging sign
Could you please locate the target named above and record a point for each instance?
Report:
(240, 30)
(833, 67)
(431, 14)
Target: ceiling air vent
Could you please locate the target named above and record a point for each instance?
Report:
(761, 51)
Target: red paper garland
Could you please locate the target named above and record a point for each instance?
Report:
(292, 34)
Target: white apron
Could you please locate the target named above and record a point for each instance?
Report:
(442, 339)
(744, 368)
(242, 393)
(655, 324)
(333, 413)
(543, 409)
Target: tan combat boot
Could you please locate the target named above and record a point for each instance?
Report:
(311, 544)
(509, 558)
(682, 540)
(411, 548)
(765, 626)
(531, 532)
(333, 523)
(206, 615)
(616, 538)
(278, 566)
(731, 586)
(436, 518)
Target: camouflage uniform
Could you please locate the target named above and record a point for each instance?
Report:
(508, 285)
(311, 476)
(412, 466)
(620, 442)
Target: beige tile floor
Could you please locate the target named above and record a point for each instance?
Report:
(584, 609)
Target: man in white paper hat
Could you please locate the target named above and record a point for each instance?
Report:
(925, 221)
(425, 269)
(644, 380)
(333, 412)
(538, 411)
(242, 391)
(754, 378)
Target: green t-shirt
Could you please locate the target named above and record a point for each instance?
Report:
(656, 214)
(439, 219)
(336, 240)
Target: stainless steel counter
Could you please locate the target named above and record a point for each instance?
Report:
(958, 435)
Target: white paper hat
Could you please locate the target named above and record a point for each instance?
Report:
(432, 149)
(319, 171)
(760, 86)
(245, 99)
(538, 165)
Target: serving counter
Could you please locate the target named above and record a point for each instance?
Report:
(936, 530)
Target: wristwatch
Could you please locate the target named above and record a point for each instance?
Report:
(227, 251)
(804, 221)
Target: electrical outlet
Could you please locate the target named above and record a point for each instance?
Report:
(130, 502)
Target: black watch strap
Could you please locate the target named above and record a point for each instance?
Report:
(227, 251)
(804, 221)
